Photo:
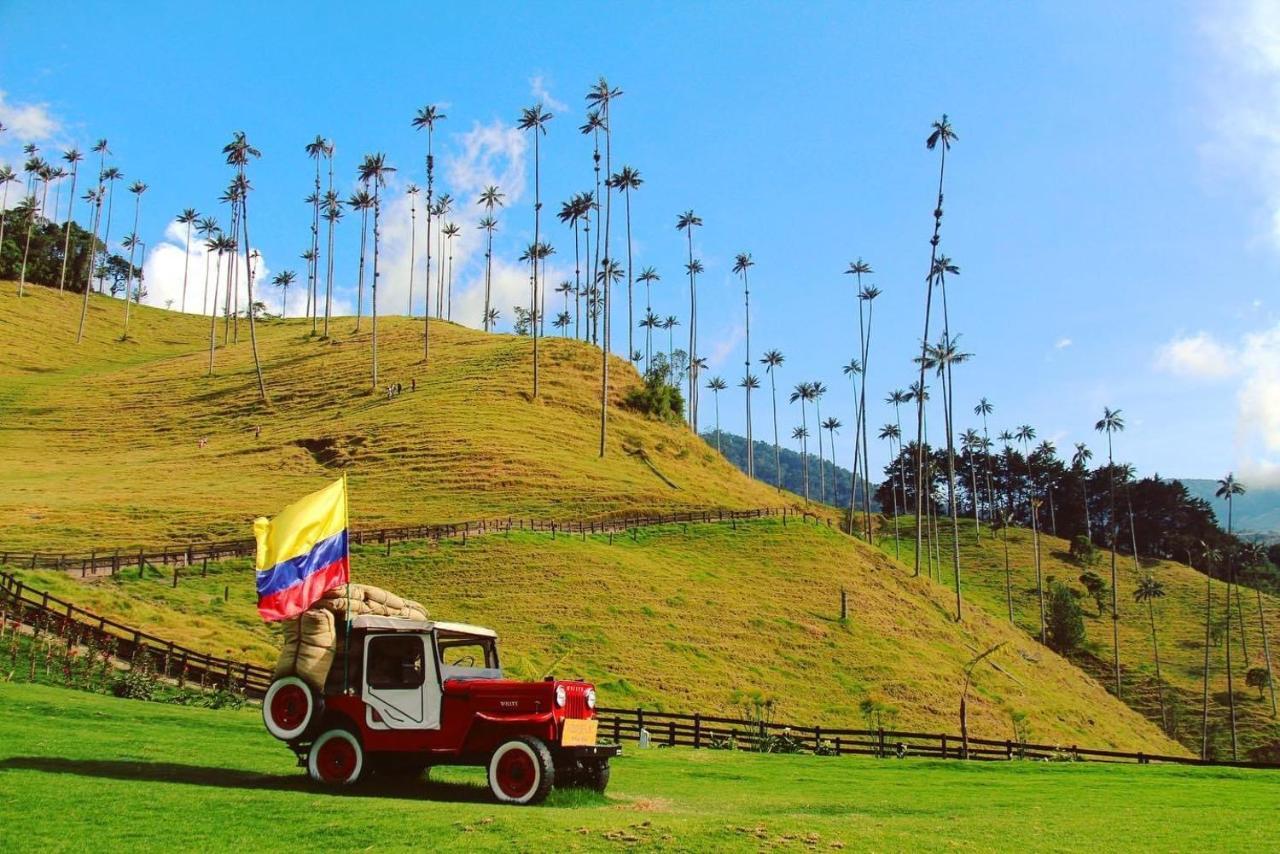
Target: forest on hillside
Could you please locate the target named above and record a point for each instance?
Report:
(836, 480)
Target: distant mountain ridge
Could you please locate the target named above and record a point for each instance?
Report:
(837, 478)
(1257, 511)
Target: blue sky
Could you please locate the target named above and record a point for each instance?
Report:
(1111, 200)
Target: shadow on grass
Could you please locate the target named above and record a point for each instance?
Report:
(230, 778)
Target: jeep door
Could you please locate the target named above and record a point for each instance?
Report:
(401, 685)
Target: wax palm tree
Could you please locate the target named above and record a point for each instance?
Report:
(818, 391)
(571, 213)
(443, 207)
(239, 153)
(648, 275)
(940, 137)
(600, 99)
(983, 409)
(741, 264)
(137, 188)
(1229, 487)
(1111, 423)
(853, 370)
(109, 177)
(315, 149)
(1080, 461)
(868, 295)
(535, 119)
(804, 392)
(687, 222)
(670, 324)
(37, 171)
(450, 231)
(893, 433)
(593, 125)
(7, 177)
(427, 118)
(562, 321)
(361, 200)
(1026, 434)
(801, 435)
(374, 171)
(942, 357)
(412, 192)
(857, 269)
(332, 215)
(772, 360)
(93, 197)
(609, 273)
(970, 444)
(832, 425)
(717, 385)
(72, 156)
(205, 229)
(627, 179)
(1149, 590)
(491, 318)
(188, 218)
(564, 289)
(284, 280)
(489, 224)
(215, 244)
(1047, 450)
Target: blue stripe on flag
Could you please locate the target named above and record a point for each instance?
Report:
(293, 571)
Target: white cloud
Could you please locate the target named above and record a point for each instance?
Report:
(1256, 364)
(1198, 356)
(1062, 344)
(487, 154)
(538, 89)
(163, 271)
(1243, 95)
(27, 122)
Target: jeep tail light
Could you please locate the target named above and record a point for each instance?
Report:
(560, 696)
(591, 698)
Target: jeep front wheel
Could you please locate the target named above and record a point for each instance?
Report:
(521, 771)
(595, 775)
(336, 758)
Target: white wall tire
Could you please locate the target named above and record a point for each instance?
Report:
(336, 758)
(288, 708)
(521, 772)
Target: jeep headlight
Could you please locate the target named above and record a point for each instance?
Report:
(560, 695)
(591, 698)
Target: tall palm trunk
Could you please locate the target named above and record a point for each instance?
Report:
(924, 343)
(128, 278)
(822, 460)
(1208, 623)
(332, 219)
(66, 240)
(1115, 595)
(106, 234)
(862, 408)
(534, 319)
(373, 287)
(606, 286)
(413, 250)
(93, 251)
(1035, 535)
(204, 297)
(1008, 576)
(1266, 650)
(631, 320)
(213, 315)
(1231, 693)
(804, 449)
(893, 490)
(973, 486)
(577, 281)
(488, 275)
(1155, 649)
(426, 284)
(364, 229)
(777, 463)
(947, 399)
(186, 266)
(314, 286)
(26, 252)
(746, 315)
(693, 320)
(248, 271)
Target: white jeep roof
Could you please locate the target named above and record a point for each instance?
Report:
(400, 624)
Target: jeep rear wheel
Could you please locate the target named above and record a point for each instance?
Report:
(336, 758)
(521, 771)
(289, 707)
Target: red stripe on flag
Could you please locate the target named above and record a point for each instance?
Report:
(292, 601)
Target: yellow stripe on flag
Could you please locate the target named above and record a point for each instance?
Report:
(297, 528)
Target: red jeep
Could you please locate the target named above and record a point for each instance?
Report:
(409, 694)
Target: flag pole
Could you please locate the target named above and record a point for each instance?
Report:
(346, 659)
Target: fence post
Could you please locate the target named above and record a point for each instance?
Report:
(617, 729)
(671, 733)
(226, 593)
(139, 563)
(944, 746)
(1008, 749)
(880, 748)
(204, 568)
(838, 747)
(817, 738)
(697, 730)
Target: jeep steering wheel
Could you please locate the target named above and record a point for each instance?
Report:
(465, 661)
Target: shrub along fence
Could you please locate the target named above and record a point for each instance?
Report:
(43, 613)
(707, 731)
(177, 556)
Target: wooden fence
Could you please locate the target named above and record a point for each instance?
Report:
(45, 613)
(117, 559)
(708, 731)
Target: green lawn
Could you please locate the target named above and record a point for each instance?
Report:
(80, 770)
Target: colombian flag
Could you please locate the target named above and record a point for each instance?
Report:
(302, 552)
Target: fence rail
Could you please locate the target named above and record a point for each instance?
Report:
(47, 613)
(704, 731)
(114, 559)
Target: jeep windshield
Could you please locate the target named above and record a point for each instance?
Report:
(468, 657)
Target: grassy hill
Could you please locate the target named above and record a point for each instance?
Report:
(64, 754)
(106, 446)
(1180, 628)
(835, 479)
(105, 452)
